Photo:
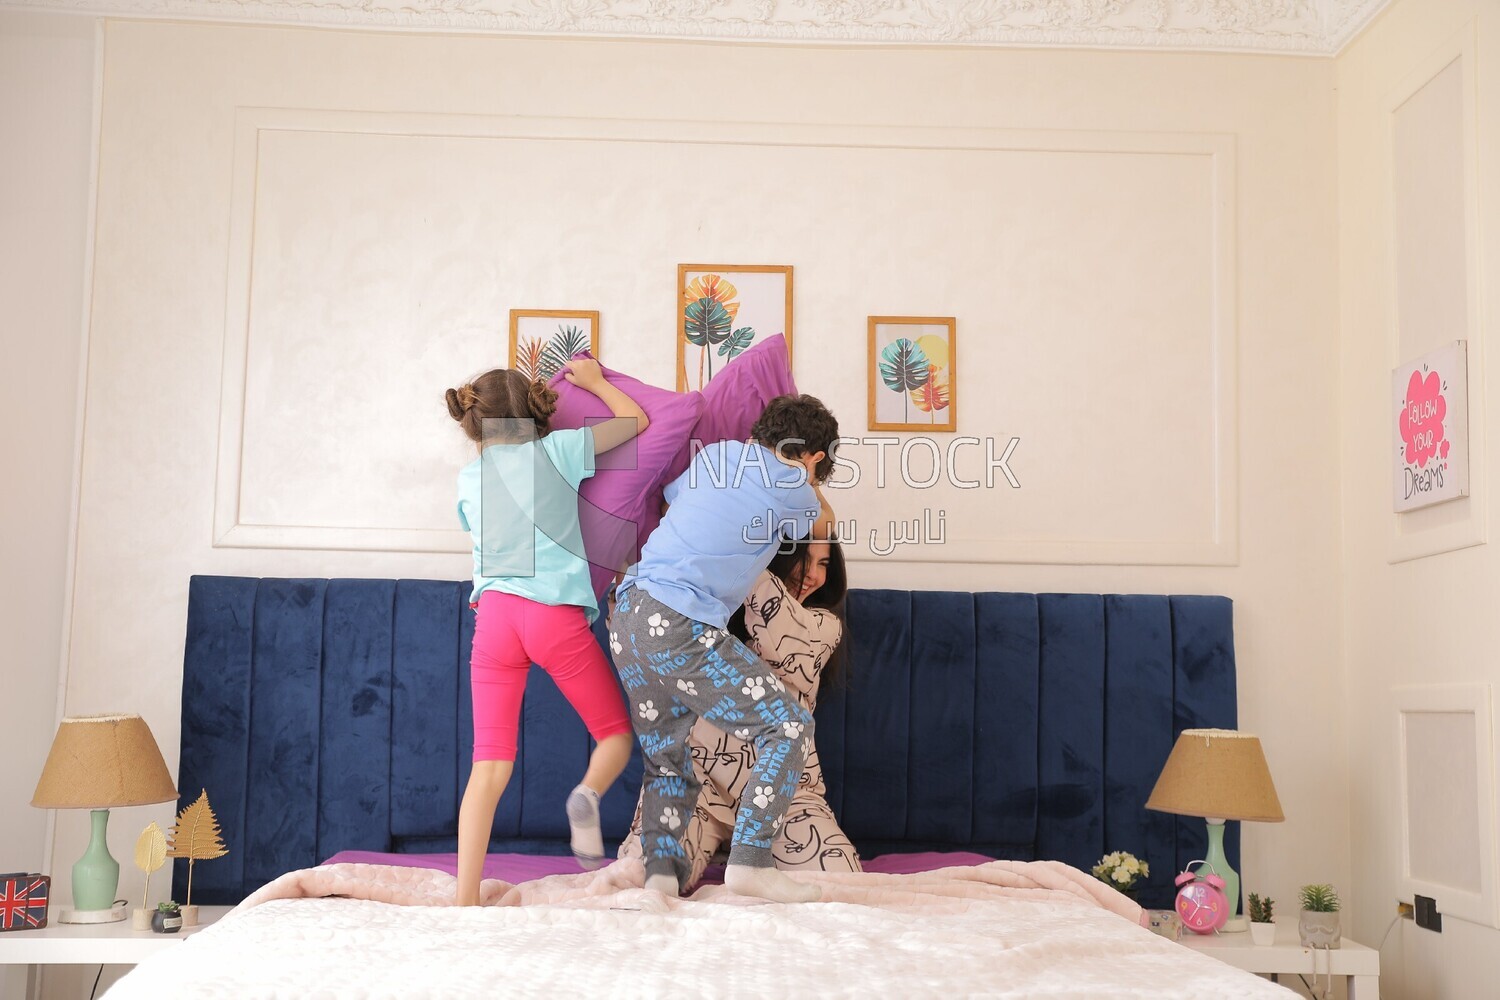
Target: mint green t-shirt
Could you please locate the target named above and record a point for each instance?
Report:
(519, 503)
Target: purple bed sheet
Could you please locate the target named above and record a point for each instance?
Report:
(515, 868)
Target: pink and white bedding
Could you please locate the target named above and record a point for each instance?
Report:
(526, 867)
(1001, 929)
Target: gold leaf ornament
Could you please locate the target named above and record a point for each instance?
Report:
(196, 836)
(151, 849)
(150, 855)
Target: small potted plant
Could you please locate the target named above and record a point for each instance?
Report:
(167, 919)
(1123, 871)
(1319, 925)
(1262, 919)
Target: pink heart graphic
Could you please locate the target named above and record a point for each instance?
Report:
(1422, 419)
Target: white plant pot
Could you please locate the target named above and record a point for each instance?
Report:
(1319, 930)
(1263, 934)
(140, 920)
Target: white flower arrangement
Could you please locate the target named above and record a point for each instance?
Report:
(1121, 870)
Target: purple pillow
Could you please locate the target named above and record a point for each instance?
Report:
(733, 399)
(621, 503)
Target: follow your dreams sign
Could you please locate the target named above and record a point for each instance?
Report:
(1432, 428)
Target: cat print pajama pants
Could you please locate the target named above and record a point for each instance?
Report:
(676, 670)
(810, 837)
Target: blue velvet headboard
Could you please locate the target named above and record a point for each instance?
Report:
(329, 715)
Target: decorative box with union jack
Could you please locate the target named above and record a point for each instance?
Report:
(23, 901)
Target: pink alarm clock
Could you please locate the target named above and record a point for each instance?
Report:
(1201, 902)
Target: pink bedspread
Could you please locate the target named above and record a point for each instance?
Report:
(1005, 929)
(516, 868)
(1038, 880)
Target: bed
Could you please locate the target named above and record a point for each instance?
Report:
(331, 716)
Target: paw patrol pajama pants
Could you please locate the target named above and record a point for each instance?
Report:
(675, 671)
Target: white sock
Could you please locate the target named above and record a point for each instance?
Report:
(583, 821)
(663, 883)
(768, 883)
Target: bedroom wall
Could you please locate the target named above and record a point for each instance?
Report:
(1140, 249)
(46, 101)
(1420, 589)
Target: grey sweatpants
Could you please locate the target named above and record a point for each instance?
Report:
(675, 671)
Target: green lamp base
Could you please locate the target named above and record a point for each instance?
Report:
(1218, 862)
(96, 876)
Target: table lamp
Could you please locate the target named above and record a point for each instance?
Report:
(98, 762)
(1218, 774)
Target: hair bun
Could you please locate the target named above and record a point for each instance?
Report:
(461, 400)
(543, 401)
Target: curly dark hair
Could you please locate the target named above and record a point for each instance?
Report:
(799, 425)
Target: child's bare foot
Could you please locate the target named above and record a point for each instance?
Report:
(663, 883)
(768, 883)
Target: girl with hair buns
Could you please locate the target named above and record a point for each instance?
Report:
(519, 502)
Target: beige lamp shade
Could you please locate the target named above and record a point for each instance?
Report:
(103, 761)
(1217, 774)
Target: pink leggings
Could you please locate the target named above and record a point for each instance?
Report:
(509, 634)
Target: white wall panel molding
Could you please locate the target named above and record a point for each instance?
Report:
(1163, 491)
(1436, 294)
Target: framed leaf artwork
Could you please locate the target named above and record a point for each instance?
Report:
(542, 340)
(913, 373)
(725, 309)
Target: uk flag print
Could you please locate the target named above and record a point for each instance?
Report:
(23, 901)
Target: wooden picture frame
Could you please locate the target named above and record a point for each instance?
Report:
(743, 310)
(895, 370)
(542, 341)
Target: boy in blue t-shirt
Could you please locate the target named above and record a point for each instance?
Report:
(737, 503)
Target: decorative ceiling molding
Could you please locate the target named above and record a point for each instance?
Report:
(1310, 27)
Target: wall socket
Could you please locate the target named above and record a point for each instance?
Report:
(1428, 916)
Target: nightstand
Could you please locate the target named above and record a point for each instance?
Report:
(1358, 965)
(94, 944)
